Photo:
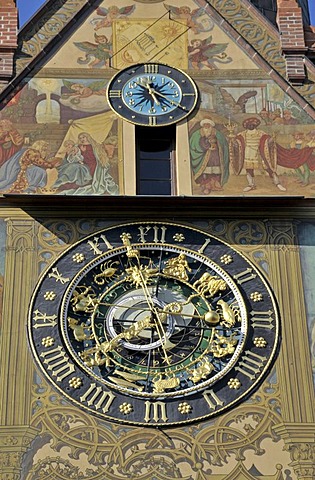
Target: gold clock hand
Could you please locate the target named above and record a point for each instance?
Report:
(151, 92)
(128, 334)
(144, 83)
(210, 317)
(156, 318)
(173, 102)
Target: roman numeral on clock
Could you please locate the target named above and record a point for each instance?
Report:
(212, 399)
(245, 276)
(204, 246)
(159, 411)
(158, 233)
(44, 320)
(152, 121)
(58, 363)
(97, 242)
(251, 364)
(114, 94)
(262, 319)
(96, 396)
(151, 68)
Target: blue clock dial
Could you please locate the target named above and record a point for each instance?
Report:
(152, 94)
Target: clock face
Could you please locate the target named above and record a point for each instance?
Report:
(153, 324)
(152, 94)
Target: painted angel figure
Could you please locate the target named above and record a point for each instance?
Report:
(79, 90)
(196, 19)
(107, 15)
(86, 96)
(204, 53)
(101, 51)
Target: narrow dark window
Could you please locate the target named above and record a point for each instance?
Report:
(155, 160)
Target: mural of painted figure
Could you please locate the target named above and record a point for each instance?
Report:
(72, 172)
(28, 170)
(78, 90)
(84, 97)
(271, 118)
(204, 53)
(196, 19)
(106, 16)
(10, 141)
(209, 154)
(300, 156)
(255, 150)
(99, 51)
(97, 159)
(288, 118)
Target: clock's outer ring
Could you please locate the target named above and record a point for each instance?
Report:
(35, 333)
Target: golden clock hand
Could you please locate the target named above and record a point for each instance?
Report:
(151, 92)
(146, 84)
(210, 317)
(154, 310)
(128, 334)
(173, 102)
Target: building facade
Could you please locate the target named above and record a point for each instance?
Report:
(269, 9)
(157, 234)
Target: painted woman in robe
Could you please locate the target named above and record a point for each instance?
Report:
(72, 173)
(28, 170)
(97, 160)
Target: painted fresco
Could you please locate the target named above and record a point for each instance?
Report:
(59, 147)
(250, 137)
(247, 136)
(184, 36)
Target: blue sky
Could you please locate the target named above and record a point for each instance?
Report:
(29, 7)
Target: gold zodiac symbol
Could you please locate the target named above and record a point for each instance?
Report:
(161, 384)
(81, 301)
(139, 276)
(201, 372)
(223, 346)
(79, 330)
(209, 285)
(230, 314)
(177, 267)
(107, 272)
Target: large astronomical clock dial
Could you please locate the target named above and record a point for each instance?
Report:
(152, 94)
(153, 324)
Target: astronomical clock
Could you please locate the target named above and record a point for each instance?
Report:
(152, 323)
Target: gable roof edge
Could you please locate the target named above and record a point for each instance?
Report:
(10, 89)
(265, 41)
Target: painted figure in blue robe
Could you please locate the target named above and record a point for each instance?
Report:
(97, 157)
(72, 172)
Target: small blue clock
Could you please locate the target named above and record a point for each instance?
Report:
(152, 94)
